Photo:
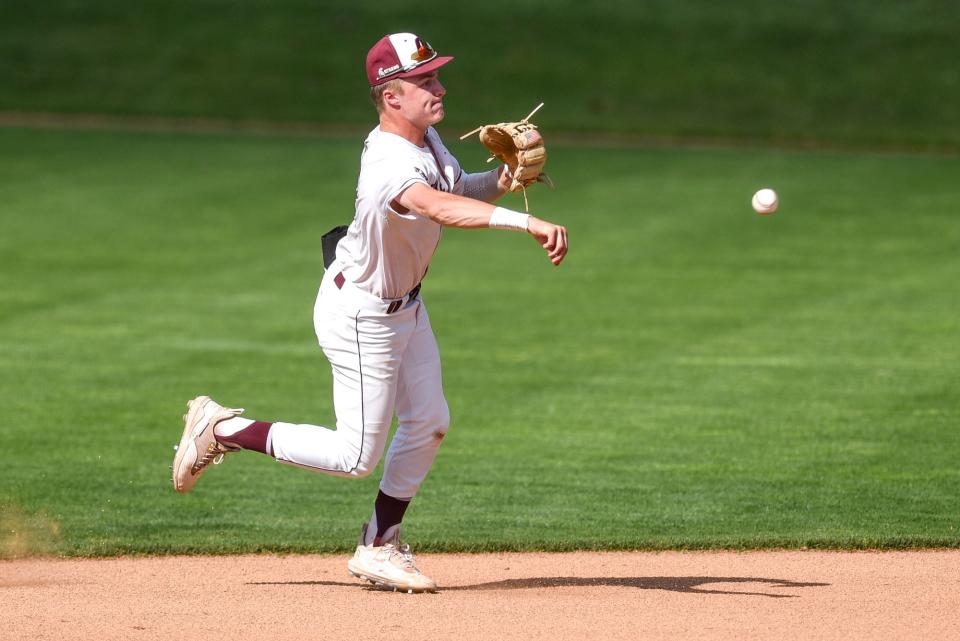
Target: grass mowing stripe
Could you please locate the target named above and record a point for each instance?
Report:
(695, 376)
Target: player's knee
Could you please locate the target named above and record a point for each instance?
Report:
(443, 417)
(363, 470)
(441, 422)
(365, 465)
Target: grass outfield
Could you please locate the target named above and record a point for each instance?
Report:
(857, 71)
(694, 376)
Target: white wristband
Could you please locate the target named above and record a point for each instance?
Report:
(503, 218)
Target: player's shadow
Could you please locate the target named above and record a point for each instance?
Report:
(686, 584)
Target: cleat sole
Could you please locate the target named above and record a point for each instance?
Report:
(378, 583)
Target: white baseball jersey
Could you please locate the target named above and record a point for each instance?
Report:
(388, 166)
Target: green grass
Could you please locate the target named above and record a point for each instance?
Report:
(854, 72)
(695, 376)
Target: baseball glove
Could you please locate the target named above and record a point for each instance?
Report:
(519, 146)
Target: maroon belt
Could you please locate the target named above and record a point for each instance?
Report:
(394, 306)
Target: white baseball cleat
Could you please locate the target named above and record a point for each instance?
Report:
(389, 565)
(198, 447)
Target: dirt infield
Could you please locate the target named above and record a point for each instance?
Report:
(670, 595)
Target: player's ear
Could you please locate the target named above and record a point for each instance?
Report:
(390, 99)
(391, 95)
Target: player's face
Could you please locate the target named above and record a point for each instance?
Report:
(422, 99)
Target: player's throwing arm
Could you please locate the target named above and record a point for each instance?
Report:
(452, 210)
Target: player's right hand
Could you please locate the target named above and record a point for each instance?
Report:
(552, 238)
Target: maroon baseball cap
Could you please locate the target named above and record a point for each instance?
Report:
(401, 55)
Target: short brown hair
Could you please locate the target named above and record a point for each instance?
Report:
(376, 92)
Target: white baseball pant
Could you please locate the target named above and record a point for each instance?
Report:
(383, 363)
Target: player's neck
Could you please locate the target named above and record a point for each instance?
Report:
(403, 128)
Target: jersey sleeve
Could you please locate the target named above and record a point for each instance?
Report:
(458, 173)
(448, 165)
(402, 172)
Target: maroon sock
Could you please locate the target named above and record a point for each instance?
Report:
(389, 512)
(252, 437)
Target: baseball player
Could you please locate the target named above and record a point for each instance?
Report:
(370, 317)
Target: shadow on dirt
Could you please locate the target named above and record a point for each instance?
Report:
(687, 584)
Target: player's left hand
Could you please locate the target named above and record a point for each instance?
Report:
(552, 238)
(505, 179)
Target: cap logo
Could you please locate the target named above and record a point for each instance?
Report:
(381, 72)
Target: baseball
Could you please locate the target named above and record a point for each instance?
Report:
(765, 201)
